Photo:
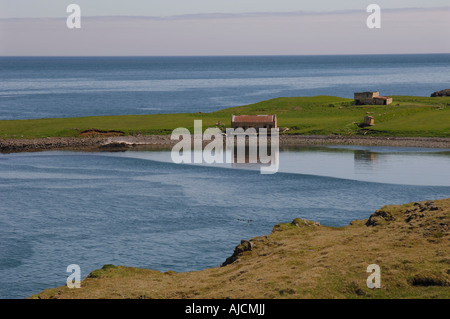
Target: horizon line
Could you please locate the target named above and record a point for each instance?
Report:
(218, 55)
(225, 15)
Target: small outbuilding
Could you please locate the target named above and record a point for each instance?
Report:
(369, 121)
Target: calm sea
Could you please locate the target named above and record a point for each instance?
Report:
(43, 87)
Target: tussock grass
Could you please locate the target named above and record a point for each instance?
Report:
(303, 259)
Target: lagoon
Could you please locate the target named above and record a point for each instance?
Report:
(137, 208)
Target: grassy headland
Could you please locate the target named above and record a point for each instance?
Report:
(408, 116)
(302, 259)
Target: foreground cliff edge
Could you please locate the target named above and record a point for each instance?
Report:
(302, 259)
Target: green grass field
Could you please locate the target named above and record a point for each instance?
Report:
(320, 115)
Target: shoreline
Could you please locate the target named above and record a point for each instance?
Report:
(303, 259)
(164, 142)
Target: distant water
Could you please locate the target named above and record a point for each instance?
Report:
(138, 209)
(42, 87)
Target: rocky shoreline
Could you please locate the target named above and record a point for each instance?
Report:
(304, 259)
(164, 142)
(421, 142)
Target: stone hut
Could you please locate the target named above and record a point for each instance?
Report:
(371, 98)
(369, 121)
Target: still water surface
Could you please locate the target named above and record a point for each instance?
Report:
(137, 208)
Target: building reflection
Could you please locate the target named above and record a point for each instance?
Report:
(365, 159)
(264, 159)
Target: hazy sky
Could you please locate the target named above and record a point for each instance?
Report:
(57, 8)
(190, 27)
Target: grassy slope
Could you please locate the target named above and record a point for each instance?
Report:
(320, 115)
(410, 243)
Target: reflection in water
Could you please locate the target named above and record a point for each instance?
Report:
(265, 159)
(365, 159)
(393, 165)
(381, 164)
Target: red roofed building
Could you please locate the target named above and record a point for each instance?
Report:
(255, 121)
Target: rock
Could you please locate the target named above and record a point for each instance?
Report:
(445, 92)
(379, 217)
(431, 206)
(304, 223)
(413, 216)
(428, 206)
(427, 278)
(244, 246)
(259, 239)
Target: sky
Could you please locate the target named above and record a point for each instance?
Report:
(56, 8)
(218, 27)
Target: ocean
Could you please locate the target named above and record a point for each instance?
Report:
(49, 87)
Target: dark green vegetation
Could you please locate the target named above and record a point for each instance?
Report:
(319, 115)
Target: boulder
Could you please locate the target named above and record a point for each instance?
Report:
(244, 246)
(445, 92)
(380, 217)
